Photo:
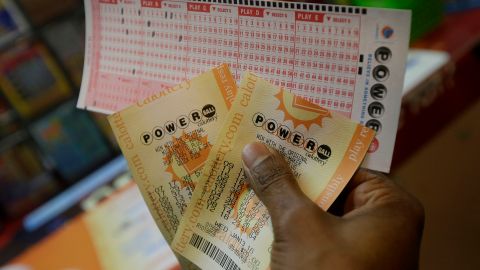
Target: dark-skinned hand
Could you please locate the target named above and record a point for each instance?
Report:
(380, 226)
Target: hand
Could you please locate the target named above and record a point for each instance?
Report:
(380, 227)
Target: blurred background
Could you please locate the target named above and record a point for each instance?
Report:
(61, 170)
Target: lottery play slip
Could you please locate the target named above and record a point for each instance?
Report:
(350, 60)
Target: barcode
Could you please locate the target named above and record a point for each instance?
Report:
(213, 252)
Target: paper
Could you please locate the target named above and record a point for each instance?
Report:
(166, 139)
(348, 59)
(225, 225)
(125, 236)
(421, 65)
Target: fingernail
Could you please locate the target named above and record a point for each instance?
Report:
(253, 152)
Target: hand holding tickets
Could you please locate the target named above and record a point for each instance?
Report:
(167, 138)
(225, 226)
(364, 233)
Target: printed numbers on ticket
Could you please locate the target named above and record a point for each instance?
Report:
(225, 225)
(350, 60)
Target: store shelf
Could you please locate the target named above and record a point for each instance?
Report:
(13, 139)
(41, 43)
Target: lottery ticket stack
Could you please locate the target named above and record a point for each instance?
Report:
(183, 147)
(190, 83)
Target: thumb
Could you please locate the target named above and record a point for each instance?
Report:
(273, 182)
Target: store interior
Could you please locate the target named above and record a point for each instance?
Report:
(61, 166)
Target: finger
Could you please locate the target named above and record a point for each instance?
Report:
(341, 205)
(364, 175)
(373, 190)
(368, 189)
(271, 178)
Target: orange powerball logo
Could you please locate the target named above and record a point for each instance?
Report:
(300, 111)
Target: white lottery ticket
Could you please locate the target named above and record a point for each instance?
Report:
(348, 59)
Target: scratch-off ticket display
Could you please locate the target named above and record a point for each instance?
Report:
(225, 225)
(166, 139)
(350, 60)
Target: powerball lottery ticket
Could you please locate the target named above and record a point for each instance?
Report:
(166, 151)
(350, 60)
(166, 139)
